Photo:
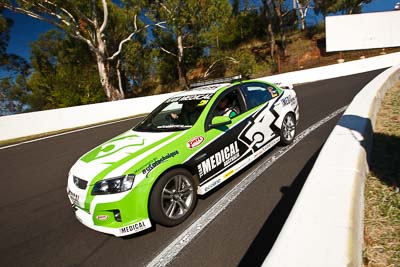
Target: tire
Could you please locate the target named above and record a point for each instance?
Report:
(288, 129)
(173, 197)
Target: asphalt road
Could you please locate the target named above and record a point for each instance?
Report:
(38, 227)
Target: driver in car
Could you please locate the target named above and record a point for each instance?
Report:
(189, 113)
(225, 108)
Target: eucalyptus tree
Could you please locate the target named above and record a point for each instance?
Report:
(63, 73)
(186, 22)
(268, 13)
(10, 63)
(93, 22)
(14, 70)
(302, 7)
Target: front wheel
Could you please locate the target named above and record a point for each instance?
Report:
(173, 197)
(288, 129)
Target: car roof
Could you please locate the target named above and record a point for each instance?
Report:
(207, 89)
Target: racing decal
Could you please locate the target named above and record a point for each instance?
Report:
(189, 98)
(229, 173)
(73, 197)
(112, 147)
(252, 134)
(157, 162)
(173, 126)
(102, 217)
(139, 226)
(288, 100)
(273, 91)
(222, 158)
(194, 142)
(259, 130)
(212, 184)
(202, 103)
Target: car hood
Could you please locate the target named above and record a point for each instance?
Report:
(116, 156)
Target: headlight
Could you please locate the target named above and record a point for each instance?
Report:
(114, 185)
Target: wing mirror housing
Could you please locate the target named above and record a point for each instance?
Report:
(219, 121)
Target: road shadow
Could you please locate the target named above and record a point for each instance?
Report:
(269, 232)
(385, 159)
(361, 129)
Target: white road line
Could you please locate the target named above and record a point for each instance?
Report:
(166, 256)
(69, 132)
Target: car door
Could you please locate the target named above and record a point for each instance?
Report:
(261, 129)
(223, 148)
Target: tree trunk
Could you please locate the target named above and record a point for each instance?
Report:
(303, 13)
(119, 75)
(107, 71)
(303, 22)
(106, 80)
(181, 68)
(272, 37)
(268, 15)
(278, 9)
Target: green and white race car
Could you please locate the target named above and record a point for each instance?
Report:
(188, 145)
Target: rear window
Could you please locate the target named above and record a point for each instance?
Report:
(259, 93)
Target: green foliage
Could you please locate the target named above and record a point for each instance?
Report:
(11, 66)
(64, 73)
(9, 62)
(239, 29)
(189, 21)
(335, 6)
(247, 63)
(13, 95)
(220, 37)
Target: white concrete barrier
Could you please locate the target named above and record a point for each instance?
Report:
(41, 122)
(325, 226)
(44, 122)
(336, 70)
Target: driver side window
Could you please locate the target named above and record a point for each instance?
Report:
(228, 105)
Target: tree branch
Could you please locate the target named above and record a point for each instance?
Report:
(50, 12)
(31, 14)
(63, 10)
(80, 13)
(127, 39)
(166, 8)
(105, 16)
(68, 14)
(94, 13)
(168, 52)
(135, 22)
(121, 90)
(77, 35)
(208, 71)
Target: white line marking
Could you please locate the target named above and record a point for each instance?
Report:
(166, 256)
(69, 132)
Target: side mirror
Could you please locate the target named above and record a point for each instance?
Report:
(219, 121)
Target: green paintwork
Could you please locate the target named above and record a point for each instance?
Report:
(220, 121)
(134, 206)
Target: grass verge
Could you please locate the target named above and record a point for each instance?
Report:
(382, 197)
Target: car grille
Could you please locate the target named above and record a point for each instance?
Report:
(80, 183)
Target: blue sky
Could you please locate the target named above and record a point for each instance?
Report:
(26, 29)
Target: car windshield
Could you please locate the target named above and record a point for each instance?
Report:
(175, 114)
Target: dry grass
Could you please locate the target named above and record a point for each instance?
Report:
(382, 197)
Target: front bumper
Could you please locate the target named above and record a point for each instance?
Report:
(121, 215)
(132, 228)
